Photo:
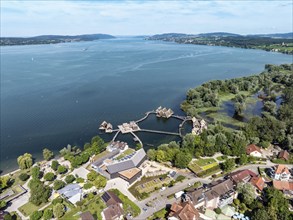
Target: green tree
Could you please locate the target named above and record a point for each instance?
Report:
(260, 214)
(246, 193)
(39, 193)
(100, 182)
(239, 108)
(25, 161)
(58, 184)
(4, 182)
(8, 216)
(58, 210)
(61, 169)
(161, 157)
(36, 215)
(270, 107)
(36, 172)
(151, 153)
(228, 165)
(48, 214)
(47, 154)
(23, 176)
(49, 176)
(92, 175)
(69, 179)
(182, 159)
(243, 159)
(2, 204)
(54, 165)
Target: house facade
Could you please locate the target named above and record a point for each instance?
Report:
(253, 150)
(282, 173)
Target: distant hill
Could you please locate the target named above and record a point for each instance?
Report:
(218, 34)
(277, 35)
(51, 39)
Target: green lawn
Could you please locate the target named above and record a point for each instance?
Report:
(125, 153)
(29, 208)
(152, 185)
(203, 162)
(194, 167)
(222, 158)
(148, 182)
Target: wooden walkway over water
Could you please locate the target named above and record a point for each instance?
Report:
(160, 132)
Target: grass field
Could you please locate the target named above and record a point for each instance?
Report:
(152, 185)
(200, 165)
(222, 158)
(203, 162)
(29, 208)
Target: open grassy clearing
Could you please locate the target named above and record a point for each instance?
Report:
(29, 208)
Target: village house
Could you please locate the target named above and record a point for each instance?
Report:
(183, 211)
(253, 150)
(258, 182)
(219, 195)
(114, 209)
(284, 155)
(285, 186)
(117, 145)
(282, 173)
(242, 176)
(164, 112)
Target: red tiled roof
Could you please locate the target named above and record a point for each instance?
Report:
(282, 169)
(258, 182)
(284, 155)
(184, 211)
(242, 176)
(283, 185)
(251, 148)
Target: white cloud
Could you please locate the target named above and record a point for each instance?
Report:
(24, 18)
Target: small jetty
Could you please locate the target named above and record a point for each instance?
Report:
(198, 125)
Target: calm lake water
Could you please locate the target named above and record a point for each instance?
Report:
(54, 95)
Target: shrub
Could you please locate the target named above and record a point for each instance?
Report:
(58, 210)
(58, 184)
(57, 200)
(61, 169)
(218, 211)
(23, 176)
(54, 165)
(36, 215)
(79, 180)
(49, 176)
(88, 186)
(48, 214)
(180, 178)
(69, 179)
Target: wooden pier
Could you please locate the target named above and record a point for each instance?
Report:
(160, 132)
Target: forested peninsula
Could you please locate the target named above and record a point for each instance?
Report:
(232, 129)
(51, 39)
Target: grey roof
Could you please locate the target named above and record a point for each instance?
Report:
(128, 163)
(107, 156)
(70, 190)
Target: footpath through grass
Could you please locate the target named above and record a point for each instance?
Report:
(28, 208)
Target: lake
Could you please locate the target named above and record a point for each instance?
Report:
(54, 95)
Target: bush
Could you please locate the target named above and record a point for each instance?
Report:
(58, 210)
(58, 184)
(211, 170)
(69, 179)
(49, 176)
(36, 215)
(57, 200)
(54, 165)
(218, 211)
(180, 178)
(23, 176)
(48, 214)
(79, 180)
(61, 169)
(88, 186)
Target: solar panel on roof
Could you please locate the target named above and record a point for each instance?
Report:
(106, 197)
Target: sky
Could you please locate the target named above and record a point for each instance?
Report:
(137, 17)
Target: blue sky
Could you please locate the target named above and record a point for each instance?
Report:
(30, 18)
